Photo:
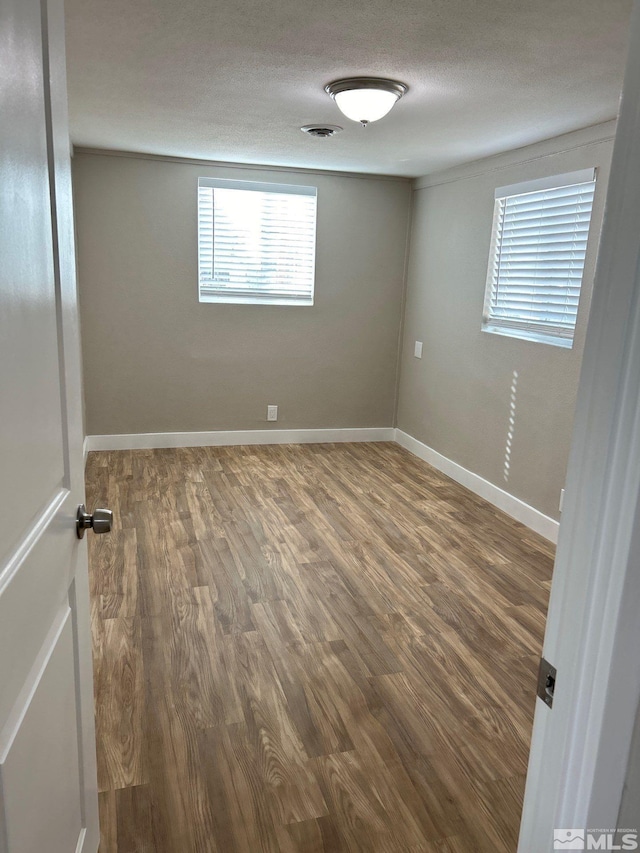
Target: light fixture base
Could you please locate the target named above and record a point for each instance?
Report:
(344, 85)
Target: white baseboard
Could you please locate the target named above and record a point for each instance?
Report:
(223, 438)
(513, 506)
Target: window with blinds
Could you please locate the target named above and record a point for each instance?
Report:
(536, 262)
(256, 242)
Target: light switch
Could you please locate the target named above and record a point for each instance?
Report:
(417, 350)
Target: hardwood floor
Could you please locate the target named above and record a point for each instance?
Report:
(309, 648)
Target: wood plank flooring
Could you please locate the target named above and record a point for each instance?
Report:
(309, 648)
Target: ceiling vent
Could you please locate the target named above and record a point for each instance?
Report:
(322, 131)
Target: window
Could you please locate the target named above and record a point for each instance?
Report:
(538, 247)
(256, 242)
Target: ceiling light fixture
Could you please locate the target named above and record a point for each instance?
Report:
(365, 99)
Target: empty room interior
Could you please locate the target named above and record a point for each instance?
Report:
(335, 264)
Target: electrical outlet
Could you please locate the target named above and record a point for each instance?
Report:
(417, 350)
(272, 413)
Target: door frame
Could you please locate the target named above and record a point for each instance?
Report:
(580, 748)
(54, 64)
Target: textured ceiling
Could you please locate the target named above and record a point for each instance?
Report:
(235, 79)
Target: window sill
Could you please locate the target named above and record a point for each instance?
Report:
(252, 300)
(524, 335)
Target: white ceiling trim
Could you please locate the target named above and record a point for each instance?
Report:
(244, 167)
(593, 135)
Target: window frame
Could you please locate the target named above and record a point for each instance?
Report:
(237, 298)
(496, 325)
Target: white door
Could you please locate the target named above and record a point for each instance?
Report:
(580, 746)
(48, 799)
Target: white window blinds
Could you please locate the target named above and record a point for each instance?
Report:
(256, 242)
(536, 263)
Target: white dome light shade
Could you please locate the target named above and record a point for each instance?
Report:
(365, 104)
(365, 99)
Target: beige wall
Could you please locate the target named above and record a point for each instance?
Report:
(457, 398)
(156, 360)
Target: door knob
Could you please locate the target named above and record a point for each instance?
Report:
(100, 521)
